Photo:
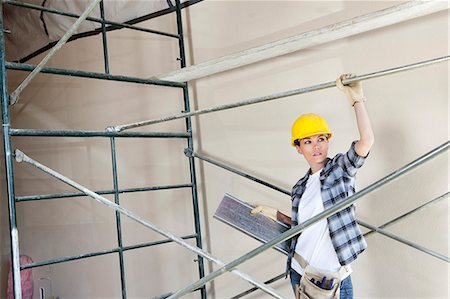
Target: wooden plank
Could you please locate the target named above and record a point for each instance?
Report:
(236, 213)
(382, 18)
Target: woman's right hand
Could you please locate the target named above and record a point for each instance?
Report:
(265, 211)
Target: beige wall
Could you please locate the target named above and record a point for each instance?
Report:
(409, 113)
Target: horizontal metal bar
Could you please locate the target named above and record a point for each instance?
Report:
(302, 226)
(131, 247)
(67, 133)
(97, 20)
(190, 153)
(282, 94)
(91, 75)
(130, 190)
(67, 259)
(420, 208)
(98, 253)
(22, 157)
(249, 291)
(404, 241)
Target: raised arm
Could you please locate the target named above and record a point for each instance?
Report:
(356, 97)
(366, 136)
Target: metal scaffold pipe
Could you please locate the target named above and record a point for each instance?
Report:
(14, 96)
(91, 75)
(67, 133)
(22, 157)
(371, 227)
(98, 253)
(80, 194)
(380, 230)
(282, 94)
(299, 228)
(401, 217)
(404, 241)
(190, 153)
(8, 170)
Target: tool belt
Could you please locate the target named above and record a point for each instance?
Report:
(316, 283)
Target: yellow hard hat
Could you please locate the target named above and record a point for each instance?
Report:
(308, 125)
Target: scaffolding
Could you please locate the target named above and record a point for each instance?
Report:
(114, 132)
(9, 133)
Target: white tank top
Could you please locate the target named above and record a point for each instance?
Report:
(314, 243)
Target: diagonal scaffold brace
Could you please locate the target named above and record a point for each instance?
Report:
(14, 96)
(259, 234)
(281, 95)
(22, 157)
(326, 213)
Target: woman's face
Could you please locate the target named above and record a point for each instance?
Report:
(314, 149)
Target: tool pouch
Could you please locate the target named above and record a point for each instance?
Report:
(329, 287)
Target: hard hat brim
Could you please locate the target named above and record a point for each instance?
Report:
(329, 135)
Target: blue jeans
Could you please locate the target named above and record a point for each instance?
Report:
(346, 290)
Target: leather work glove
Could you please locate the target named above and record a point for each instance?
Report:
(354, 90)
(265, 211)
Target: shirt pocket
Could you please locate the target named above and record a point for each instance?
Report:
(332, 178)
(334, 186)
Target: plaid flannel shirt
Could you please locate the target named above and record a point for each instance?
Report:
(337, 180)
